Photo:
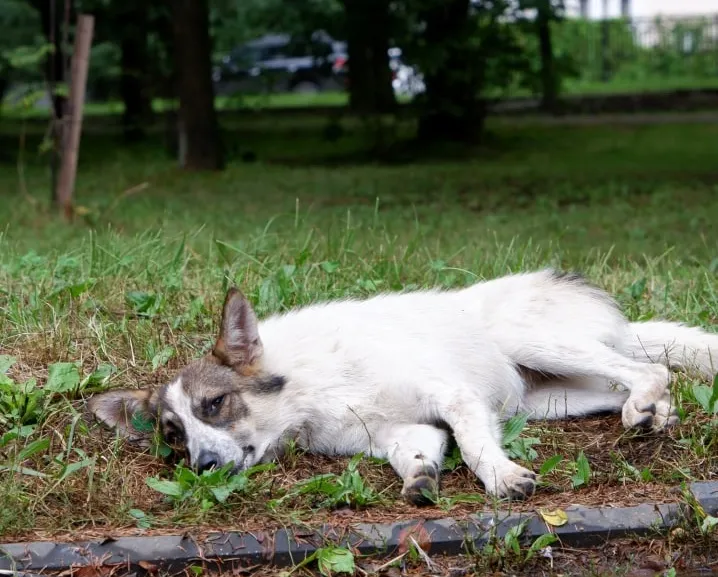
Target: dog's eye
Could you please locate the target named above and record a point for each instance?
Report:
(216, 403)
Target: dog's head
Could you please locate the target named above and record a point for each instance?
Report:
(205, 411)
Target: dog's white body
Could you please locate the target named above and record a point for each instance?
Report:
(389, 375)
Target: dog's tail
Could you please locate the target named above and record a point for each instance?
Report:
(688, 349)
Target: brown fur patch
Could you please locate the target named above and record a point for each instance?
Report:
(251, 370)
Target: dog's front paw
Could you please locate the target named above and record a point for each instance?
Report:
(422, 488)
(515, 482)
(650, 416)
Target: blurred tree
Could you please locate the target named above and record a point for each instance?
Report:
(132, 20)
(235, 22)
(464, 49)
(199, 141)
(53, 13)
(368, 32)
(19, 27)
(547, 11)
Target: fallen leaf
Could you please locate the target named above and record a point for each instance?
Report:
(149, 567)
(421, 535)
(555, 518)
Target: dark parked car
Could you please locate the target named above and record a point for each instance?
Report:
(283, 63)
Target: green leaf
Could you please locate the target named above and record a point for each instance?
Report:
(335, 560)
(33, 448)
(703, 394)
(142, 423)
(185, 476)
(6, 361)
(709, 523)
(137, 514)
(583, 471)
(160, 448)
(550, 464)
(541, 542)
(23, 470)
(74, 467)
(161, 358)
(513, 428)
(713, 403)
(100, 375)
(144, 303)
(62, 378)
(221, 493)
(330, 267)
(15, 433)
(170, 488)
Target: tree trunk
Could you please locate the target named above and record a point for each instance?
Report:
(451, 107)
(199, 129)
(80, 64)
(583, 8)
(369, 28)
(4, 83)
(605, 64)
(626, 9)
(549, 80)
(134, 62)
(51, 17)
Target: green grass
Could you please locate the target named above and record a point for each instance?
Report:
(571, 87)
(131, 291)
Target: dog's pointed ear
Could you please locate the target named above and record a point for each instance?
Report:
(131, 412)
(238, 345)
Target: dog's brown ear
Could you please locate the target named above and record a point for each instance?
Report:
(238, 345)
(131, 412)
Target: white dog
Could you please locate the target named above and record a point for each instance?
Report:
(393, 375)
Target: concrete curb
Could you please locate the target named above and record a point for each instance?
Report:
(585, 528)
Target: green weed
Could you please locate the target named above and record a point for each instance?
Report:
(206, 489)
(332, 490)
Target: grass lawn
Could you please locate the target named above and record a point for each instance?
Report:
(132, 290)
(571, 87)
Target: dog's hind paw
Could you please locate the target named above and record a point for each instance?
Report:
(645, 416)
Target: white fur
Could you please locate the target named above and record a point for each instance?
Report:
(378, 375)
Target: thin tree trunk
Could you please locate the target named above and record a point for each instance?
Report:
(73, 129)
(52, 14)
(198, 125)
(583, 8)
(549, 80)
(51, 17)
(625, 9)
(452, 108)
(381, 27)
(133, 81)
(370, 89)
(605, 65)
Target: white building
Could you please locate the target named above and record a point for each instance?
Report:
(644, 8)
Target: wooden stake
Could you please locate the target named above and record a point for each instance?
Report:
(73, 115)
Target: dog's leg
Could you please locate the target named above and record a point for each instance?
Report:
(562, 399)
(478, 434)
(649, 404)
(416, 452)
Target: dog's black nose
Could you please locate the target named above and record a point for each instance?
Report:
(207, 460)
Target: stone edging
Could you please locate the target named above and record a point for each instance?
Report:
(585, 528)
